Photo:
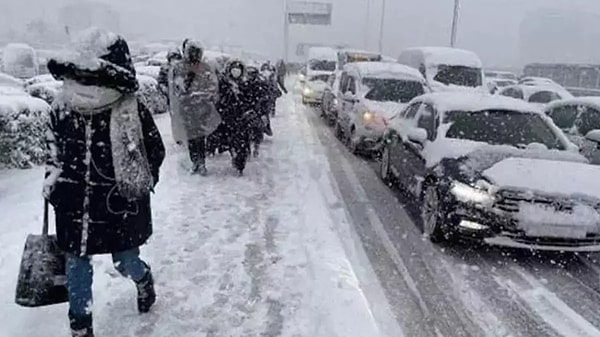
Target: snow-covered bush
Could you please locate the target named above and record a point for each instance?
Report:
(151, 95)
(22, 127)
(47, 91)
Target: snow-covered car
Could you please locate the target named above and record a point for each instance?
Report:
(538, 95)
(10, 81)
(493, 169)
(314, 86)
(531, 80)
(446, 69)
(331, 98)
(22, 128)
(20, 60)
(579, 118)
(496, 84)
(501, 75)
(373, 93)
(152, 97)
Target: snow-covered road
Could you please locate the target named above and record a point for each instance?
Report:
(269, 254)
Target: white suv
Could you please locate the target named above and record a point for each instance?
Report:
(373, 92)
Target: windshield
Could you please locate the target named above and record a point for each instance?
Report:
(392, 90)
(459, 75)
(321, 78)
(502, 128)
(322, 65)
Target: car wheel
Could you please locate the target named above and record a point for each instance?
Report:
(384, 166)
(352, 142)
(432, 214)
(339, 134)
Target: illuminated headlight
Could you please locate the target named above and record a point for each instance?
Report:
(467, 193)
(335, 102)
(301, 77)
(368, 116)
(307, 91)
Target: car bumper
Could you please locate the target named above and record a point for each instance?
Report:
(495, 228)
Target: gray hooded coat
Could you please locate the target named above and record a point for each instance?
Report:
(193, 91)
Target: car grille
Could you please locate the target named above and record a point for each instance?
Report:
(591, 239)
(510, 201)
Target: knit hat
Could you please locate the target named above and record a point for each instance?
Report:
(98, 58)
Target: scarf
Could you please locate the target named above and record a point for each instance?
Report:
(132, 169)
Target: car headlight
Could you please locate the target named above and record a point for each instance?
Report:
(335, 102)
(468, 193)
(368, 116)
(307, 91)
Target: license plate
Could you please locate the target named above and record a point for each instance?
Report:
(555, 231)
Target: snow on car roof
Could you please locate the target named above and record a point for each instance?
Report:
(473, 101)
(384, 70)
(449, 56)
(322, 53)
(358, 51)
(530, 90)
(584, 100)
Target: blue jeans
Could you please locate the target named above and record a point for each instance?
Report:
(80, 275)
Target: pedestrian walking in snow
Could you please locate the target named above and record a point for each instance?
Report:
(237, 114)
(281, 74)
(163, 75)
(269, 74)
(257, 97)
(104, 155)
(193, 87)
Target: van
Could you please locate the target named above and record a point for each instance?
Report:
(320, 65)
(446, 68)
(20, 60)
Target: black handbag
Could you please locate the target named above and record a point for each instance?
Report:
(42, 276)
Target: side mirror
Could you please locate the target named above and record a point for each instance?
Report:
(593, 136)
(417, 136)
(350, 97)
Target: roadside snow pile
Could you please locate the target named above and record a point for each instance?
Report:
(39, 79)
(151, 96)
(151, 71)
(7, 80)
(22, 126)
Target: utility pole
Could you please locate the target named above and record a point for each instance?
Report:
(382, 26)
(367, 24)
(286, 32)
(455, 23)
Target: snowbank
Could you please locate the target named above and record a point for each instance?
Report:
(47, 91)
(151, 71)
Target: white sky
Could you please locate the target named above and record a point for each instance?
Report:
(489, 27)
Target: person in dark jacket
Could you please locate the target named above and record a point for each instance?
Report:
(257, 100)
(269, 74)
(281, 74)
(104, 156)
(236, 113)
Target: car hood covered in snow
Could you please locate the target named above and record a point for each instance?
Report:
(385, 109)
(548, 177)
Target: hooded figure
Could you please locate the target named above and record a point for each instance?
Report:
(257, 100)
(234, 132)
(193, 87)
(104, 155)
(163, 75)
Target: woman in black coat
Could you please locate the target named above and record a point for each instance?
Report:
(104, 157)
(235, 111)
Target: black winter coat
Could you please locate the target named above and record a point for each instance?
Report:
(114, 224)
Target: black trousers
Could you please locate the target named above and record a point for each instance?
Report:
(197, 149)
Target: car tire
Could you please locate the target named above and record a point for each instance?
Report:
(432, 214)
(352, 145)
(339, 134)
(385, 172)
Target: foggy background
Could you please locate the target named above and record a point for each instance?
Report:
(505, 33)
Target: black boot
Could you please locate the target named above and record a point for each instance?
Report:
(146, 293)
(81, 326)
